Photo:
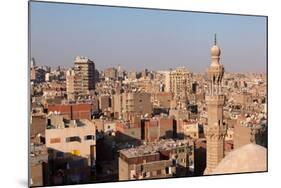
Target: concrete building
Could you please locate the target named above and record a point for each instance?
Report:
(165, 158)
(132, 75)
(127, 105)
(70, 75)
(190, 129)
(216, 129)
(104, 102)
(247, 133)
(158, 128)
(72, 144)
(39, 166)
(163, 99)
(180, 81)
(84, 75)
(129, 131)
(37, 75)
(38, 125)
(32, 63)
(110, 73)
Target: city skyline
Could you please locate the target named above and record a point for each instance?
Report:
(119, 125)
(144, 38)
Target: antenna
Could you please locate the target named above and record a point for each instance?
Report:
(215, 41)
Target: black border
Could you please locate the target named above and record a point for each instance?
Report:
(142, 8)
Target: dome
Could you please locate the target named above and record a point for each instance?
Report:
(248, 158)
(215, 51)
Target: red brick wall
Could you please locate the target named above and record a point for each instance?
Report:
(72, 111)
(81, 111)
(166, 127)
(63, 109)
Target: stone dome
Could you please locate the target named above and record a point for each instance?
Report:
(215, 50)
(248, 158)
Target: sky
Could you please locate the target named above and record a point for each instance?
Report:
(138, 39)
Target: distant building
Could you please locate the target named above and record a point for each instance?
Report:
(37, 75)
(120, 73)
(70, 76)
(166, 158)
(163, 99)
(132, 75)
(84, 75)
(127, 105)
(110, 73)
(32, 63)
(104, 102)
(180, 81)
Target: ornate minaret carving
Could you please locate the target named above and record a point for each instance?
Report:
(215, 130)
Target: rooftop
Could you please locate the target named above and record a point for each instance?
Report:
(38, 154)
(153, 148)
(58, 122)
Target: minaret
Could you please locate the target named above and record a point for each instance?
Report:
(215, 130)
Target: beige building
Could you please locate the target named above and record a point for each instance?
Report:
(127, 105)
(180, 81)
(72, 141)
(84, 78)
(104, 102)
(165, 158)
(191, 130)
(215, 130)
(162, 99)
(70, 84)
(110, 73)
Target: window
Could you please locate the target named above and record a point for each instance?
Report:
(73, 139)
(159, 172)
(89, 137)
(55, 140)
(167, 170)
(144, 174)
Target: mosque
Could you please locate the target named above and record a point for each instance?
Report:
(248, 158)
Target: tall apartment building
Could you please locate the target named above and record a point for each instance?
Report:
(70, 84)
(180, 81)
(81, 80)
(166, 158)
(72, 147)
(37, 74)
(130, 104)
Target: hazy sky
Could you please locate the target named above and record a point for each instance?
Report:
(143, 38)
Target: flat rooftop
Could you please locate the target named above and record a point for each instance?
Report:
(154, 148)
